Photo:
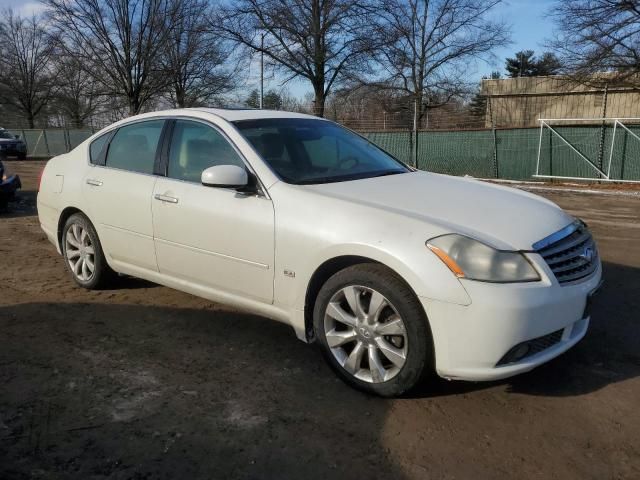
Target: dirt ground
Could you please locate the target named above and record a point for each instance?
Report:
(147, 382)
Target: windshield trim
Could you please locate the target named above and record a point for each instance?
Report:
(402, 166)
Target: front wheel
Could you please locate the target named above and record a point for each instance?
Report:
(373, 330)
(83, 253)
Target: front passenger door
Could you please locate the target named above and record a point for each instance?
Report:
(214, 239)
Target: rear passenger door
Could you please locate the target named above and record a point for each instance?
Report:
(118, 190)
(216, 240)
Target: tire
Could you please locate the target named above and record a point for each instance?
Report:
(383, 346)
(80, 243)
(22, 156)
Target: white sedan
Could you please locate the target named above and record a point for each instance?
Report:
(395, 273)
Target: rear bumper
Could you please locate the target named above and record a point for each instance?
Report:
(471, 341)
(10, 186)
(13, 150)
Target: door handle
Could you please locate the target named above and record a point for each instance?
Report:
(95, 183)
(165, 198)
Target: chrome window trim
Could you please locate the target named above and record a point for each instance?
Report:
(113, 127)
(261, 186)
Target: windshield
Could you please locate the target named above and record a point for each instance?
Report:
(5, 134)
(304, 151)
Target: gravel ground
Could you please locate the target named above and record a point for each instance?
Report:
(146, 382)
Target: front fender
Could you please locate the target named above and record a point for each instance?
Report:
(422, 270)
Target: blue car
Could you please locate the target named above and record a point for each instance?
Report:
(12, 145)
(9, 184)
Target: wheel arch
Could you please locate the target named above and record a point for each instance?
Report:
(327, 269)
(62, 219)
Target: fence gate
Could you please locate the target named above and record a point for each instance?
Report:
(602, 149)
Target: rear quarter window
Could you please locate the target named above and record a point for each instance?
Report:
(96, 147)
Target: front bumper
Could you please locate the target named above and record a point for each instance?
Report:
(9, 186)
(471, 341)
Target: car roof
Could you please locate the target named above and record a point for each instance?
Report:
(234, 114)
(227, 114)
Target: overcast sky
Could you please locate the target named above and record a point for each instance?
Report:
(530, 29)
(24, 7)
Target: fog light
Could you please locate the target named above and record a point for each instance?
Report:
(520, 352)
(515, 354)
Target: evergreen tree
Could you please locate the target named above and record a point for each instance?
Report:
(253, 100)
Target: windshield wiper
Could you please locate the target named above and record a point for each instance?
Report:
(312, 181)
(347, 178)
(388, 172)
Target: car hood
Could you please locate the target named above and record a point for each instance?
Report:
(504, 217)
(9, 140)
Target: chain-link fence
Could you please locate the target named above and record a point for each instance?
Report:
(48, 142)
(486, 153)
(513, 153)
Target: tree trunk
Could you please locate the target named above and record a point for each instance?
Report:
(134, 106)
(31, 120)
(419, 105)
(78, 121)
(318, 103)
(180, 98)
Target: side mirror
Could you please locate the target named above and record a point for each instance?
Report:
(225, 176)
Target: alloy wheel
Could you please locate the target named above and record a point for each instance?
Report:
(365, 334)
(80, 252)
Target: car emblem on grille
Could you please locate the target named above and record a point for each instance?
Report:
(587, 254)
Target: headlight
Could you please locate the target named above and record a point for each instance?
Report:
(469, 258)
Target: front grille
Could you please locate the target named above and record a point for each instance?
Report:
(530, 347)
(570, 253)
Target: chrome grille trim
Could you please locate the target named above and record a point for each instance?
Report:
(566, 252)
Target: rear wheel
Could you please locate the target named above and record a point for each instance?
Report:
(83, 253)
(22, 156)
(373, 331)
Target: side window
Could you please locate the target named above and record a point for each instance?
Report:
(96, 147)
(196, 147)
(133, 147)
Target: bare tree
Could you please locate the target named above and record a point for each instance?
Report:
(78, 94)
(120, 42)
(196, 58)
(596, 36)
(26, 75)
(430, 43)
(322, 41)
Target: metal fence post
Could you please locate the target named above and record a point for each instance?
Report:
(603, 127)
(67, 140)
(415, 133)
(24, 139)
(46, 142)
(495, 139)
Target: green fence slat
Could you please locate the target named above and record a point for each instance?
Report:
(461, 152)
(471, 152)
